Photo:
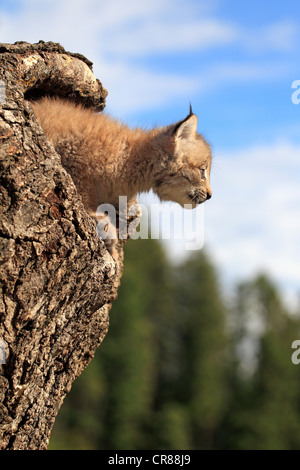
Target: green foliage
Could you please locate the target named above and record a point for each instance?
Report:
(265, 405)
(182, 369)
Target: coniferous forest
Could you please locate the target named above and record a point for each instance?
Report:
(185, 366)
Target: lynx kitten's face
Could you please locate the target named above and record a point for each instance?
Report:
(183, 176)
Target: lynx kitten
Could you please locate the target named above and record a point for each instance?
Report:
(107, 159)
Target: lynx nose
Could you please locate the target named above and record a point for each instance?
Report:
(208, 195)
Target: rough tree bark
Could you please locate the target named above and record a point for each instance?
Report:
(57, 280)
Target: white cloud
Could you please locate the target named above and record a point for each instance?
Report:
(112, 33)
(134, 88)
(119, 36)
(113, 26)
(158, 36)
(281, 36)
(253, 221)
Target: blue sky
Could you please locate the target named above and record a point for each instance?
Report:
(235, 61)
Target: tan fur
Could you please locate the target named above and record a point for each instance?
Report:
(107, 159)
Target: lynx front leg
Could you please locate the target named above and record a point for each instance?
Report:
(134, 218)
(123, 226)
(129, 215)
(107, 231)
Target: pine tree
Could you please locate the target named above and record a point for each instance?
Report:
(132, 350)
(162, 369)
(202, 314)
(265, 410)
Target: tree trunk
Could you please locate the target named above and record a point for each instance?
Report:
(57, 280)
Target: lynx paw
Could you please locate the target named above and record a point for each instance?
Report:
(107, 232)
(134, 216)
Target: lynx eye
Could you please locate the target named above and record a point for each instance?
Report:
(203, 173)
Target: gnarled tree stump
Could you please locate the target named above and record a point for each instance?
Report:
(57, 280)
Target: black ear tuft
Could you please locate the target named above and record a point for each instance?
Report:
(187, 127)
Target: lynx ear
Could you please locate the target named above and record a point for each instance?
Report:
(187, 128)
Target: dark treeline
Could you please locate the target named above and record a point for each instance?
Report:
(184, 368)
